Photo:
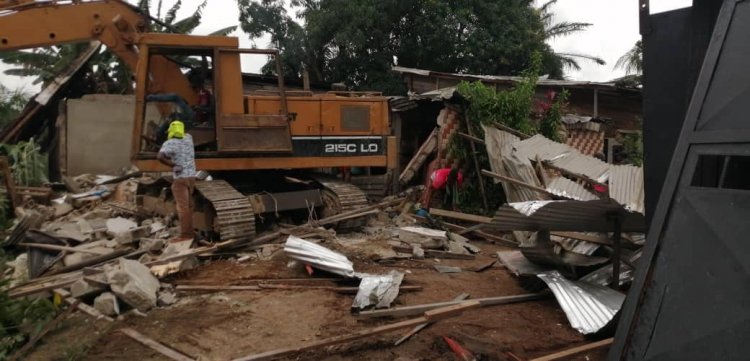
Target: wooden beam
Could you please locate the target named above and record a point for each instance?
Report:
(511, 131)
(461, 216)
(417, 309)
(53, 247)
(346, 290)
(437, 254)
(421, 327)
(477, 167)
(156, 346)
(452, 311)
(471, 138)
(520, 183)
(575, 350)
(461, 229)
(93, 312)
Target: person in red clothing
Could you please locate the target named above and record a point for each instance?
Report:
(447, 180)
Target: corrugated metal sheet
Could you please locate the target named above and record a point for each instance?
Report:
(565, 187)
(588, 307)
(544, 81)
(499, 146)
(626, 187)
(318, 256)
(577, 216)
(562, 156)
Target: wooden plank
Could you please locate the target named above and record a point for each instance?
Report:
(522, 184)
(436, 254)
(459, 229)
(156, 346)
(575, 350)
(93, 312)
(450, 311)
(53, 247)
(477, 167)
(421, 327)
(418, 309)
(429, 146)
(48, 286)
(460, 216)
(437, 314)
(216, 288)
(47, 327)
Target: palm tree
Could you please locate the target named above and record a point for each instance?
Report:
(565, 28)
(105, 70)
(632, 61)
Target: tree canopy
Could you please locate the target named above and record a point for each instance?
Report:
(358, 41)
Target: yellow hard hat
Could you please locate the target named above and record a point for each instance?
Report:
(176, 130)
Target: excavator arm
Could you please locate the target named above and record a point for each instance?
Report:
(118, 25)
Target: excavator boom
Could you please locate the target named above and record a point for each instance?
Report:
(118, 25)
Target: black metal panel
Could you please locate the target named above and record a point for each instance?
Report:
(690, 299)
(675, 45)
(666, 94)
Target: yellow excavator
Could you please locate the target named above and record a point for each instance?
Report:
(257, 144)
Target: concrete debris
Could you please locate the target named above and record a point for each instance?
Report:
(166, 298)
(107, 304)
(83, 288)
(152, 244)
(134, 284)
(20, 269)
(417, 251)
(120, 225)
(425, 237)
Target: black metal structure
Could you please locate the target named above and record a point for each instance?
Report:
(674, 46)
(691, 296)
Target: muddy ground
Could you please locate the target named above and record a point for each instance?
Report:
(226, 325)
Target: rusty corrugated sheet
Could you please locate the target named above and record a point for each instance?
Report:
(565, 187)
(626, 187)
(576, 216)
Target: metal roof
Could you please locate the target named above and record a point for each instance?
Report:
(565, 187)
(318, 256)
(576, 216)
(588, 307)
(505, 79)
(562, 156)
(626, 187)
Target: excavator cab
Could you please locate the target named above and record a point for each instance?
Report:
(218, 120)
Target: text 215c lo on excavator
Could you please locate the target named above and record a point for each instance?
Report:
(258, 144)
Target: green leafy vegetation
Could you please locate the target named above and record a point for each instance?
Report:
(11, 104)
(358, 41)
(550, 124)
(28, 164)
(632, 148)
(20, 318)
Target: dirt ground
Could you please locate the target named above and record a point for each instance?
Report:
(226, 325)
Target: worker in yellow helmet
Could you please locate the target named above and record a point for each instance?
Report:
(178, 153)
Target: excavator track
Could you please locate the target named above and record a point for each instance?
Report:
(235, 218)
(339, 197)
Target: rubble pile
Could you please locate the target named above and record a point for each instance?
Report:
(97, 245)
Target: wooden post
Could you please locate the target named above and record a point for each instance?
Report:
(477, 167)
(10, 185)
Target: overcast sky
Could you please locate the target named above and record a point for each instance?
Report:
(614, 31)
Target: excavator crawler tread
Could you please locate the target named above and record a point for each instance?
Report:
(235, 218)
(340, 197)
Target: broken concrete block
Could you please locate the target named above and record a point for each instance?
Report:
(427, 238)
(417, 251)
(133, 282)
(106, 303)
(120, 225)
(61, 209)
(456, 247)
(152, 244)
(78, 257)
(20, 269)
(166, 298)
(83, 288)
